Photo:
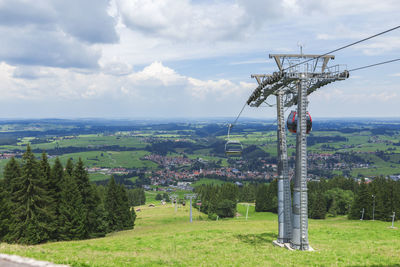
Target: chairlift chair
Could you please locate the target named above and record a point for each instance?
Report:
(233, 147)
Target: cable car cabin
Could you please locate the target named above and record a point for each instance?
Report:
(233, 148)
(292, 122)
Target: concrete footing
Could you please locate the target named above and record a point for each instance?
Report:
(287, 246)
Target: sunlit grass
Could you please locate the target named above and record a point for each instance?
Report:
(162, 237)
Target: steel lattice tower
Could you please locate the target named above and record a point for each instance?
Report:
(291, 86)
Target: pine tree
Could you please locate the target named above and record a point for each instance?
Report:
(9, 185)
(124, 209)
(69, 167)
(54, 188)
(71, 211)
(318, 210)
(94, 212)
(12, 170)
(362, 200)
(111, 205)
(45, 168)
(261, 198)
(29, 222)
(4, 211)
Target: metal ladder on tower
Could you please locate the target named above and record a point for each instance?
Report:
(303, 183)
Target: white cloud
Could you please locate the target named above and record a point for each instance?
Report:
(155, 81)
(183, 20)
(55, 33)
(157, 72)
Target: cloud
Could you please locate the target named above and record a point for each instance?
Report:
(31, 46)
(55, 33)
(157, 73)
(183, 20)
(87, 20)
(154, 82)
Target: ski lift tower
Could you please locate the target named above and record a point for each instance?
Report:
(284, 194)
(299, 75)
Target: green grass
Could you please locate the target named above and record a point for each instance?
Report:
(110, 159)
(164, 238)
(207, 181)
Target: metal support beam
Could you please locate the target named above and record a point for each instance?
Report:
(284, 194)
(300, 208)
(191, 196)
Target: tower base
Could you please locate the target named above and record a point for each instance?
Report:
(288, 246)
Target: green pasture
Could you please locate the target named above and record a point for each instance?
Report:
(207, 181)
(110, 159)
(151, 195)
(89, 140)
(164, 238)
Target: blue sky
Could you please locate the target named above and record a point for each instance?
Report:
(181, 58)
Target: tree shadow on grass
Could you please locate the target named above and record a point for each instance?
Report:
(257, 239)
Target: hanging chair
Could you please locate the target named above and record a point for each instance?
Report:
(233, 147)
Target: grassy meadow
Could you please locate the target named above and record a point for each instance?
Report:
(164, 238)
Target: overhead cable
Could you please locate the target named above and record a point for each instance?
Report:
(346, 46)
(376, 64)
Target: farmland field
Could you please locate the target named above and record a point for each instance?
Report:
(163, 238)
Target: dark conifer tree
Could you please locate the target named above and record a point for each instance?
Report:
(4, 211)
(362, 200)
(124, 209)
(261, 198)
(318, 209)
(69, 167)
(94, 223)
(54, 188)
(30, 215)
(12, 170)
(71, 211)
(45, 168)
(111, 205)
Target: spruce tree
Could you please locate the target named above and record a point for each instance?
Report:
(4, 211)
(69, 167)
(45, 168)
(9, 185)
(54, 187)
(111, 205)
(318, 210)
(94, 217)
(12, 170)
(71, 211)
(261, 198)
(29, 221)
(124, 209)
(362, 200)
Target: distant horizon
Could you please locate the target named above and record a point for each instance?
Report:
(182, 119)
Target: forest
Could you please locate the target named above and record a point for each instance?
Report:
(43, 203)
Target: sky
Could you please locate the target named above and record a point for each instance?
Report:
(188, 59)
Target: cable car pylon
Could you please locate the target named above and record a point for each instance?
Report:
(291, 85)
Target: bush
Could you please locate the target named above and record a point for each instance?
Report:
(226, 208)
(212, 216)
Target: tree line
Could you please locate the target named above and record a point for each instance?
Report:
(327, 197)
(43, 203)
(341, 196)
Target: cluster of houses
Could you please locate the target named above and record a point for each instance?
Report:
(108, 171)
(9, 155)
(164, 161)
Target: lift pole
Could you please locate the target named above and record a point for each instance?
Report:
(295, 81)
(191, 196)
(284, 194)
(300, 207)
